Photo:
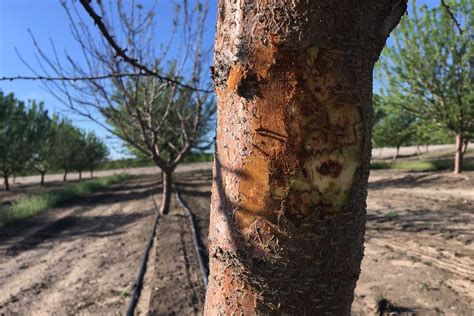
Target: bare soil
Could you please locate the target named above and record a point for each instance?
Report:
(419, 254)
(83, 259)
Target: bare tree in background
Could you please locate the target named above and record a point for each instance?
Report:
(123, 89)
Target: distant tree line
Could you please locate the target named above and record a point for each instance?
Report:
(33, 141)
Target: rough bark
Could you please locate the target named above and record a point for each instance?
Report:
(294, 86)
(5, 182)
(167, 190)
(458, 154)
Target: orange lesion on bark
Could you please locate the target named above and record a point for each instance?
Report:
(236, 74)
(304, 144)
(253, 191)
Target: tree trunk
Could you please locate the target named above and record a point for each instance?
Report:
(42, 179)
(167, 190)
(397, 152)
(65, 175)
(5, 182)
(458, 154)
(294, 87)
(80, 175)
(464, 150)
(92, 174)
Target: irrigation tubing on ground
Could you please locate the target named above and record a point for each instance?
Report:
(192, 219)
(141, 272)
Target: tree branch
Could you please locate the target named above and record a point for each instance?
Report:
(66, 78)
(451, 14)
(123, 52)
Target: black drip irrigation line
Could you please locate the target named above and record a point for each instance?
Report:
(141, 272)
(198, 249)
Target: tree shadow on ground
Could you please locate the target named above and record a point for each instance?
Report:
(78, 223)
(70, 227)
(385, 308)
(416, 180)
(444, 222)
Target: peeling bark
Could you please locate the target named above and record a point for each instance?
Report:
(294, 86)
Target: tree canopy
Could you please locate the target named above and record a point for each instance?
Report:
(429, 66)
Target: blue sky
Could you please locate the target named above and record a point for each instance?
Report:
(48, 20)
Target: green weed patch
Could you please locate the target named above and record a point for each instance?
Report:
(31, 205)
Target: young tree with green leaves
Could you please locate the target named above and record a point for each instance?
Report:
(14, 146)
(23, 133)
(67, 147)
(43, 138)
(427, 133)
(430, 66)
(95, 152)
(394, 128)
(80, 158)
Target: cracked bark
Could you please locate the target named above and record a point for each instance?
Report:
(294, 87)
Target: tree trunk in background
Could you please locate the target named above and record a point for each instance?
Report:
(65, 176)
(5, 182)
(92, 174)
(397, 152)
(294, 86)
(167, 190)
(464, 150)
(458, 154)
(80, 175)
(42, 179)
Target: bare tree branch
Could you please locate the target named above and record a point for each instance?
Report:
(451, 14)
(65, 78)
(123, 52)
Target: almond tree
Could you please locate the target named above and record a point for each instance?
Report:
(67, 147)
(430, 67)
(42, 158)
(294, 84)
(14, 147)
(395, 127)
(95, 152)
(23, 132)
(122, 88)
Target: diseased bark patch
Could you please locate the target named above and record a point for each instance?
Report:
(331, 168)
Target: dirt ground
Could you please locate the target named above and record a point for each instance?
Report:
(419, 254)
(83, 259)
